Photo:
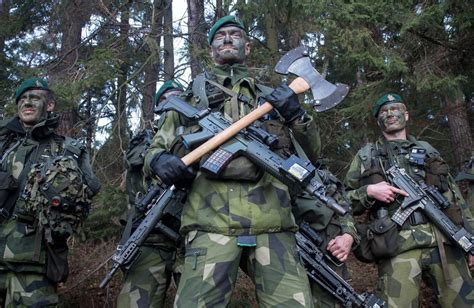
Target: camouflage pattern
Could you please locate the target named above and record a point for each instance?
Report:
(210, 271)
(328, 224)
(465, 180)
(400, 278)
(415, 242)
(231, 208)
(27, 290)
(62, 177)
(146, 282)
(22, 246)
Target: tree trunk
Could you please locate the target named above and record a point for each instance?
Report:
(461, 138)
(271, 33)
(74, 16)
(197, 34)
(4, 16)
(168, 41)
(120, 126)
(152, 69)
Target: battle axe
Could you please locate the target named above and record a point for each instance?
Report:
(325, 94)
(297, 62)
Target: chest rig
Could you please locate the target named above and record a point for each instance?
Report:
(418, 158)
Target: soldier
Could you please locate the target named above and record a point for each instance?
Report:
(417, 249)
(47, 185)
(146, 281)
(243, 216)
(338, 234)
(465, 180)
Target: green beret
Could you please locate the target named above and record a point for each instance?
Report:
(168, 85)
(224, 21)
(387, 98)
(32, 83)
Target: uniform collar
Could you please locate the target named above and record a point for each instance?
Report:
(235, 72)
(41, 130)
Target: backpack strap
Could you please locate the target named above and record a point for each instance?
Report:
(430, 150)
(367, 155)
(73, 148)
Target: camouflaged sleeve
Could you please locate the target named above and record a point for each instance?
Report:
(306, 132)
(348, 226)
(90, 178)
(456, 196)
(347, 221)
(356, 193)
(162, 140)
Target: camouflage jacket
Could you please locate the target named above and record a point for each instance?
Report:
(321, 218)
(370, 163)
(138, 183)
(21, 150)
(233, 207)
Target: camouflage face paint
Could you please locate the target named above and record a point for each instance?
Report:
(229, 46)
(33, 107)
(392, 117)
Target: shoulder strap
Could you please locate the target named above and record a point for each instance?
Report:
(199, 90)
(73, 148)
(430, 150)
(366, 155)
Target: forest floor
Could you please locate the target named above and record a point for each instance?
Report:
(87, 268)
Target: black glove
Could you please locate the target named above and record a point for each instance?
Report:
(286, 103)
(171, 170)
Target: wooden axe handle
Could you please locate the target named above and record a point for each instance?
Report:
(299, 85)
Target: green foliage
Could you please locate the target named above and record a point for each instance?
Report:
(109, 206)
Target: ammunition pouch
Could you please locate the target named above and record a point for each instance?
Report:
(8, 196)
(57, 267)
(282, 133)
(177, 147)
(379, 240)
(437, 173)
(373, 175)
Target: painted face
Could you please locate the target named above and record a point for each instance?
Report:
(392, 117)
(33, 106)
(229, 46)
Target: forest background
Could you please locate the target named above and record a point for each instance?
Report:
(105, 59)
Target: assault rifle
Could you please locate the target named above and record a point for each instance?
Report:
(156, 200)
(431, 202)
(254, 143)
(317, 267)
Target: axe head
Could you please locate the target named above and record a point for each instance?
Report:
(325, 94)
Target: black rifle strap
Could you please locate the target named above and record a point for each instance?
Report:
(127, 231)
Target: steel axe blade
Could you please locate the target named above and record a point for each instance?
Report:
(325, 94)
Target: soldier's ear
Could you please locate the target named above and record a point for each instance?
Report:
(209, 50)
(50, 106)
(248, 48)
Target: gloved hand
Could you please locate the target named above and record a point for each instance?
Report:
(171, 170)
(285, 102)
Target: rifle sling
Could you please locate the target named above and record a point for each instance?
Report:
(440, 240)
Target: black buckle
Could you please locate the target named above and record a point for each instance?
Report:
(4, 215)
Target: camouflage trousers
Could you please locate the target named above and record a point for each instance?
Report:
(400, 278)
(212, 263)
(146, 282)
(25, 289)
